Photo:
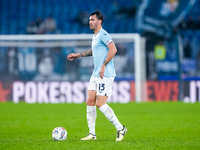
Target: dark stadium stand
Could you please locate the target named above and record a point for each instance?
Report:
(17, 14)
(168, 57)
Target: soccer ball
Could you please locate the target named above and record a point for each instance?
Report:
(59, 134)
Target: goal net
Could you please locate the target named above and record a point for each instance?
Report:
(34, 68)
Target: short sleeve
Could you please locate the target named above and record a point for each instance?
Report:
(106, 38)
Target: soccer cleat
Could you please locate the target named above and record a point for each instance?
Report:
(121, 133)
(90, 136)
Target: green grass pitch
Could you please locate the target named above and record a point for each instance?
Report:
(161, 125)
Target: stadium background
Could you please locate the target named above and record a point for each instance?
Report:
(164, 71)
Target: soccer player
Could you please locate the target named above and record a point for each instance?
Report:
(100, 86)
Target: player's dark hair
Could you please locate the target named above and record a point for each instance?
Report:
(99, 15)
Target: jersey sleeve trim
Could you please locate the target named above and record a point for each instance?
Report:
(108, 42)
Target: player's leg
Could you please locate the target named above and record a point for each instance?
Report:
(91, 111)
(91, 115)
(105, 90)
(108, 112)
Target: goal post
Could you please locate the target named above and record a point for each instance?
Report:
(136, 45)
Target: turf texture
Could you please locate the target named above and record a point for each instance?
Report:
(151, 126)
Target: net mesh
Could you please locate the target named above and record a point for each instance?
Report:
(36, 69)
(46, 60)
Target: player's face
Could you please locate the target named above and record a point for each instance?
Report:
(94, 22)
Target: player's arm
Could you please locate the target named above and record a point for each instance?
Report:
(111, 53)
(77, 55)
(87, 53)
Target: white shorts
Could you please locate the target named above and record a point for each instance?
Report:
(102, 86)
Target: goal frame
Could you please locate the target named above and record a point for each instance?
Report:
(139, 53)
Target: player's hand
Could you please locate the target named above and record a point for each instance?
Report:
(102, 70)
(72, 56)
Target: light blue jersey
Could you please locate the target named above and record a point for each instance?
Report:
(100, 50)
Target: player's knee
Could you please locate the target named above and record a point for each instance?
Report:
(90, 102)
(99, 103)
